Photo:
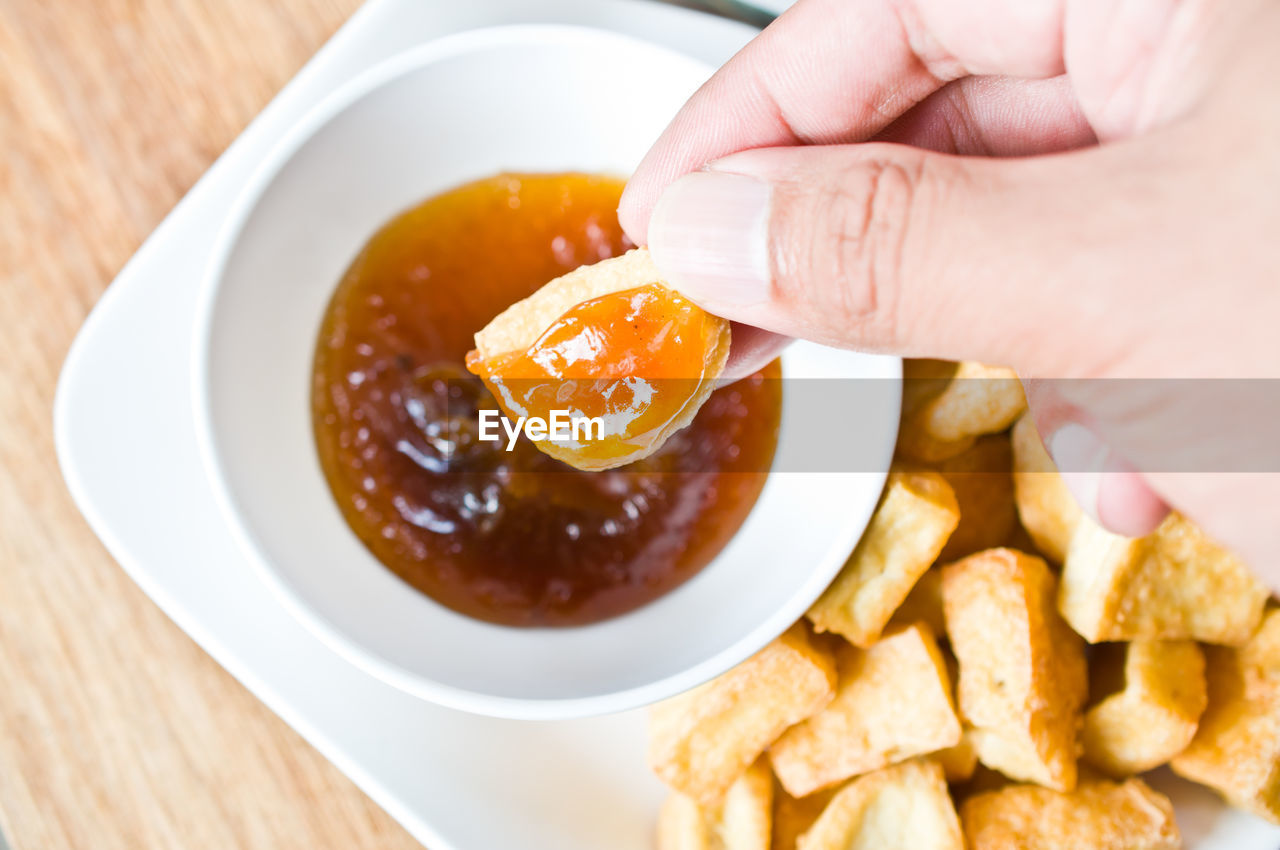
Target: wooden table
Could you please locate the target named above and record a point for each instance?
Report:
(116, 731)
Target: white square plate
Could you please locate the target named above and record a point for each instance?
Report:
(126, 442)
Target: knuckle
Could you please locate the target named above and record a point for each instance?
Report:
(861, 220)
(871, 229)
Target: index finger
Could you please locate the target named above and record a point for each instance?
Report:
(834, 71)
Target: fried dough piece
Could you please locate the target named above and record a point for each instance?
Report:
(701, 741)
(893, 702)
(917, 513)
(1022, 670)
(1155, 716)
(742, 821)
(1173, 584)
(906, 806)
(1236, 750)
(544, 354)
(1046, 507)
(983, 483)
(943, 414)
(1099, 815)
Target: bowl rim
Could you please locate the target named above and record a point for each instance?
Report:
(203, 365)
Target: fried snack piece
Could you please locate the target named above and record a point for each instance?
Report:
(893, 702)
(742, 821)
(1022, 670)
(1173, 584)
(1099, 815)
(917, 513)
(1154, 717)
(905, 806)
(943, 413)
(1046, 507)
(701, 741)
(607, 341)
(983, 483)
(792, 816)
(1236, 750)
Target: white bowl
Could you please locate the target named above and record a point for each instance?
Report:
(526, 98)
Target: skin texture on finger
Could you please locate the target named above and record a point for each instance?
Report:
(839, 71)
(1140, 64)
(751, 350)
(974, 115)
(978, 116)
(995, 116)
(833, 71)
(1019, 261)
(882, 248)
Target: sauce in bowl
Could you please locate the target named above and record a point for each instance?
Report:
(517, 537)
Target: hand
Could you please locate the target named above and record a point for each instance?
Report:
(924, 177)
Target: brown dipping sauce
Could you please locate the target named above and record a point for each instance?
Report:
(510, 537)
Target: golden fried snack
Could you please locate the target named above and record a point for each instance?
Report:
(701, 741)
(958, 762)
(1046, 507)
(1022, 670)
(742, 821)
(893, 702)
(1173, 584)
(1236, 750)
(917, 513)
(1154, 716)
(1098, 815)
(607, 341)
(983, 483)
(905, 806)
(943, 413)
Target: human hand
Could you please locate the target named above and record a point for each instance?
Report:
(982, 220)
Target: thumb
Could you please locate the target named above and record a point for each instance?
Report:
(892, 248)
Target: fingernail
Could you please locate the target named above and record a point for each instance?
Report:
(1081, 457)
(1109, 490)
(1126, 503)
(710, 235)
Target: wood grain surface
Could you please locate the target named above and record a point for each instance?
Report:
(116, 731)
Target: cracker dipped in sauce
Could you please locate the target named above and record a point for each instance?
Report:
(608, 342)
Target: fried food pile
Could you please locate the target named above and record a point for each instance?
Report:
(990, 669)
